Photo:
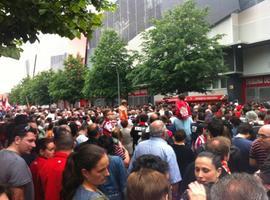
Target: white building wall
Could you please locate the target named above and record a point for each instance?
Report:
(254, 23)
(226, 28)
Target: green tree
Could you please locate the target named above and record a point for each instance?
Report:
(110, 57)
(15, 94)
(21, 93)
(40, 88)
(22, 21)
(178, 55)
(67, 84)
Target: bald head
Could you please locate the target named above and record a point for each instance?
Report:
(264, 131)
(157, 128)
(154, 117)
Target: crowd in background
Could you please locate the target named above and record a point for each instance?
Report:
(167, 151)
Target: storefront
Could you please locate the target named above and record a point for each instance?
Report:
(256, 89)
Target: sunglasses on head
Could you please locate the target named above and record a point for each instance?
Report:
(29, 128)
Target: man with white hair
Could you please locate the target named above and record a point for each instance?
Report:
(156, 145)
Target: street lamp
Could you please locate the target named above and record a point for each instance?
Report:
(118, 85)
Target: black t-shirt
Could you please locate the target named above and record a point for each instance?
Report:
(184, 156)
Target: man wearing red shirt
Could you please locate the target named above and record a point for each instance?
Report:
(51, 172)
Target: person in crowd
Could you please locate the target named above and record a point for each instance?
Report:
(127, 140)
(147, 184)
(238, 186)
(201, 137)
(86, 169)
(122, 110)
(118, 147)
(5, 193)
(184, 119)
(218, 145)
(156, 145)
(93, 133)
(264, 175)
(115, 185)
(208, 169)
(151, 161)
(108, 125)
(258, 151)
(50, 174)
(184, 155)
(45, 149)
(14, 170)
(82, 134)
(241, 140)
(139, 128)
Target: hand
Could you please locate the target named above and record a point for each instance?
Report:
(196, 191)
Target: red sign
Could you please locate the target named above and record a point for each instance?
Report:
(205, 98)
(194, 99)
(260, 81)
(142, 92)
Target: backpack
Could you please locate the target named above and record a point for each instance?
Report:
(182, 111)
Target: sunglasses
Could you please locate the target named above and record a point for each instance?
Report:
(28, 128)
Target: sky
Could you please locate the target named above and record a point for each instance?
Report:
(13, 71)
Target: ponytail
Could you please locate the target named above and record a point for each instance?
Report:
(71, 178)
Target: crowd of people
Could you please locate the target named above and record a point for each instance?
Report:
(198, 152)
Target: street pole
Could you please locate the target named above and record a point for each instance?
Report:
(118, 85)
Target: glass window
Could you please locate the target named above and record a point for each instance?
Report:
(215, 84)
(264, 94)
(223, 82)
(251, 94)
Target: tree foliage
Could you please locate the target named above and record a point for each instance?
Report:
(40, 88)
(178, 55)
(22, 21)
(110, 57)
(67, 84)
(21, 93)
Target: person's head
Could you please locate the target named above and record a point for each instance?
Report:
(180, 135)
(74, 128)
(88, 165)
(5, 193)
(157, 128)
(45, 147)
(264, 132)
(63, 138)
(153, 117)
(251, 116)
(245, 129)
(181, 97)
(124, 123)
(150, 161)
(215, 127)
(124, 102)
(143, 117)
(147, 184)
(220, 146)
(108, 114)
(116, 133)
(106, 142)
(93, 131)
(238, 187)
(23, 138)
(207, 167)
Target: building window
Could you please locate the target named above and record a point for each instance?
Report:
(216, 84)
(223, 83)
